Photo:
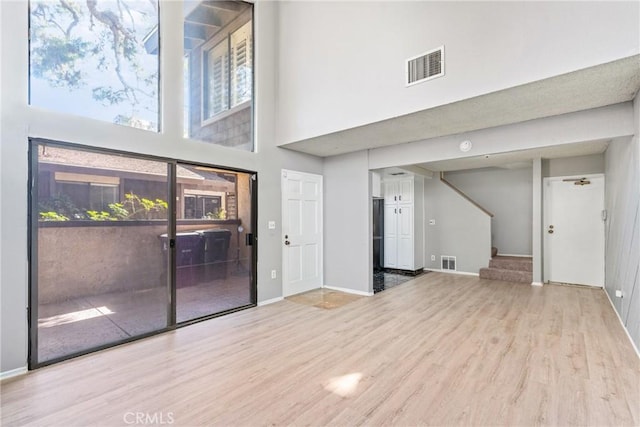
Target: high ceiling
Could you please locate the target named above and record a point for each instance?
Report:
(593, 87)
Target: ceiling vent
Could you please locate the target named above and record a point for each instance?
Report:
(426, 66)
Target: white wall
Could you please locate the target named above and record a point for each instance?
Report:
(592, 164)
(507, 194)
(536, 223)
(489, 46)
(19, 121)
(622, 201)
(376, 184)
(347, 223)
(270, 159)
(461, 229)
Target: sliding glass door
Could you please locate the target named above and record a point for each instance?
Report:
(213, 241)
(124, 246)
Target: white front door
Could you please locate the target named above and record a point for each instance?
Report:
(574, 230)
(301, 232)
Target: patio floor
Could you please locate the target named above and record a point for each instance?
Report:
(87, 322)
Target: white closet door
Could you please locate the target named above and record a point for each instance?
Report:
(405, 236)
(405, 191)
(390, 236)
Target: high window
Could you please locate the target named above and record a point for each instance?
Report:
(227, 73)
(219, 67)
(96, 59)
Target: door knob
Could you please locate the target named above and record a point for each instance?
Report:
(286, 242)
(550, 231)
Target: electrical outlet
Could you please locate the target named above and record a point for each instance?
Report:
(618, 293)
(433, 257)
(273, 274)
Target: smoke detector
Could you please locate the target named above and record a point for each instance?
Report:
(465, 146)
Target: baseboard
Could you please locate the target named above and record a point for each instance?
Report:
(13, 373)
(270, 301)
(453, 272)
(349, 291)
(626, 331)
(516, 255)
(540, 284)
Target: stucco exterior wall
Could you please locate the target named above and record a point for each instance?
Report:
(75, 261)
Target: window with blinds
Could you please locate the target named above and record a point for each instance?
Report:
(241, 70)
(228, 72)
(218, 83)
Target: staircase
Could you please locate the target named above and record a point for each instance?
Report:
(509, 269)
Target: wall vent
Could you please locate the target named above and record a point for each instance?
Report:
(448, 263)
(426, 66)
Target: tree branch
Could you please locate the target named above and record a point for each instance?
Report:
(74, 15)
(120, 36)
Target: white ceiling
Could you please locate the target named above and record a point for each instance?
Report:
(593, 87)
(517, 159)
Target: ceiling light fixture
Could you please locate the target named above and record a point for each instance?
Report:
(465, 146)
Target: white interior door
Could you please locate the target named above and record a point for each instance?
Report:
(574, 230)
(301, 232)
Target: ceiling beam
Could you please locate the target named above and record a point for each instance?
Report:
(224, 5)
(204, 16)
(195, 31)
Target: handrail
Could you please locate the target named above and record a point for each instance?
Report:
(469, 199)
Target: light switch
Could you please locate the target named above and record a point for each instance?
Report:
(272, 225)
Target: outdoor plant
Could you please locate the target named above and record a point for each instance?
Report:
(100, 216)
(133, 207)
(58, 207)
(52, 216)
(219, 214)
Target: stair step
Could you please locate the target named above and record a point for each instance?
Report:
(511, 263)
(506, 275)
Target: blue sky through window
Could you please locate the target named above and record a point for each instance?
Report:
(89, 58)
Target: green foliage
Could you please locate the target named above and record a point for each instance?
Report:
(57, 60)
(61, 204)
(108, 96)
(71, 39)
(100, 216)
(219, 214)
(52, 216)
(118, 210)
(133, 207)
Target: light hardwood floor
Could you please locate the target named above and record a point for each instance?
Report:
(439, 350)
